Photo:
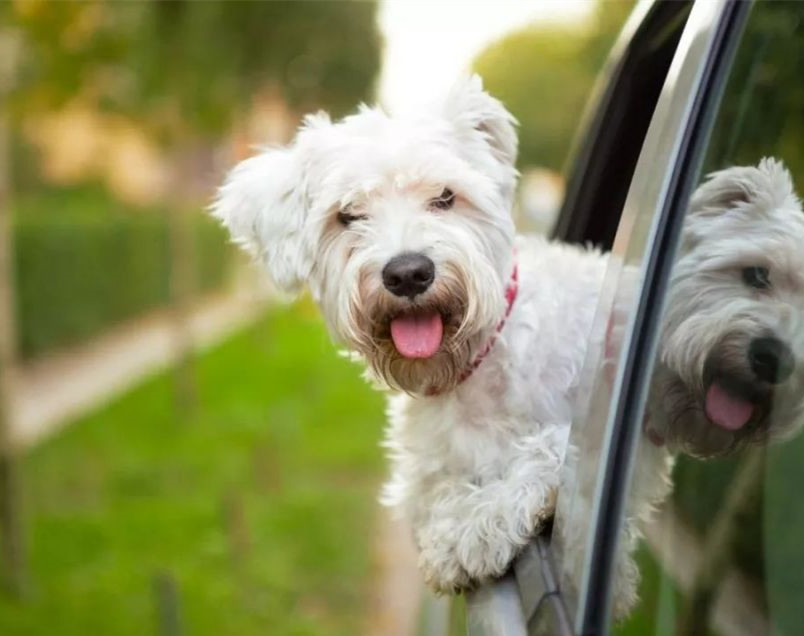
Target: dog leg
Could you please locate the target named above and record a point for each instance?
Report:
(469, 531)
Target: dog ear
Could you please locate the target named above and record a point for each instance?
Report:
(485, 130)
(768, 184)
(472, 110)
(779, 188)
(263, 203)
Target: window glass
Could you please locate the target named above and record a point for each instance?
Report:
(578, 502)
(712, 541)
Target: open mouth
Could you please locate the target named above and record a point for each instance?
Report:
(732, 404)
(417, 333)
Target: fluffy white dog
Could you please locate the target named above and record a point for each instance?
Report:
(401, 227)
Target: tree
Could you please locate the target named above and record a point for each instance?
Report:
(762, 112)
(12, 552)
(544, 74)
(182, 64)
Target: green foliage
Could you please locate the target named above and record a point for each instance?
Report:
(320, 53)
(762, 113)
(261, 508)
(540, 76)
(781, 521)
(84, 263)
(191, 67)
(62, 46)
(544, 74)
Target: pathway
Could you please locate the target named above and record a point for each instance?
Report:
(52, 390)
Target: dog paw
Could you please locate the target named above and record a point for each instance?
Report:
(466, 559)
(442, 572)
(488, 557)
(477, 541)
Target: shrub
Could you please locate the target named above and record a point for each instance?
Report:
(82, 266)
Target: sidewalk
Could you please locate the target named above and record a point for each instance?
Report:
(51, 391)
(397, 594)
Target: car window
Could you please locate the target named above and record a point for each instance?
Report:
(610, 138)
(712, 535)
(609, 398)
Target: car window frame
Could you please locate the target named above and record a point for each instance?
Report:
(702, 64)
(589, 213)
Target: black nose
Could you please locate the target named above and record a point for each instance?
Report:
(408, 274)
(771, 359)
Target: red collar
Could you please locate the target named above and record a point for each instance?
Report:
(511, 291)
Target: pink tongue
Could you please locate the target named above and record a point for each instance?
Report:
(417, 336)
(726, 410)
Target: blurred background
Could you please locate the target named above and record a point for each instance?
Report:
(182, 452)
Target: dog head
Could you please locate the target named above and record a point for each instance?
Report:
(401, 228)
(732, 351)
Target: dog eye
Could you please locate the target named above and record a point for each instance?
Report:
(444, 201)
(346, 216)
(757, 277)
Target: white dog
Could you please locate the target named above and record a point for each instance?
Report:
(402, 230)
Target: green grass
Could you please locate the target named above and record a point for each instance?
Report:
(260, 507)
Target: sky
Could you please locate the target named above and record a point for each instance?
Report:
(429, 43)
